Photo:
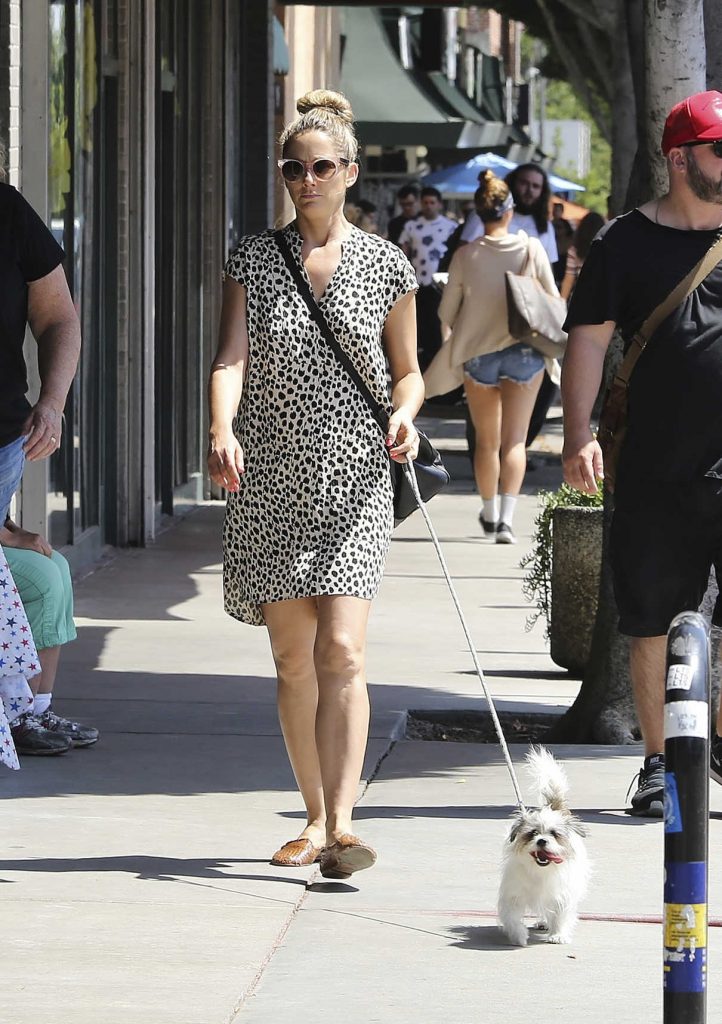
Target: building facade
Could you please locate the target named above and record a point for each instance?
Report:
(142, 132)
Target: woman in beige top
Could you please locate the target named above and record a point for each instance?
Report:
(501, 378)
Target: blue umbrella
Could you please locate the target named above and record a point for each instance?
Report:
(462, 179)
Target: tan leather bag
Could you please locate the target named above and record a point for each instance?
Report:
(613, 419)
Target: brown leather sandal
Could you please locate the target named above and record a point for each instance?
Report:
(346, 855)
(297, 853)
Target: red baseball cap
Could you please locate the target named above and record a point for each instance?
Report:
(696, 119)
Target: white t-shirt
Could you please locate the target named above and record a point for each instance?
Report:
(474, 229)
(426, 240)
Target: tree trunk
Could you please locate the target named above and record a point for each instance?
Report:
(674, 64)
(624, 114)
(604, 709)
(713, 43)
(639, 187)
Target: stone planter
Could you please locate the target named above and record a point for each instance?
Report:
(576, 567)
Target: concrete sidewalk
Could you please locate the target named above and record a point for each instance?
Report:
(136, 887)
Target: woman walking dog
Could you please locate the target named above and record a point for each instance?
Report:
(309, 513)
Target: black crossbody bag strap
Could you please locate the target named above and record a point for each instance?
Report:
(699, 272)
(377, 410)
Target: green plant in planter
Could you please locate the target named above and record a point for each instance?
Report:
(537, 584)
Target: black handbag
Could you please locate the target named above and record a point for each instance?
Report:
(431, 474)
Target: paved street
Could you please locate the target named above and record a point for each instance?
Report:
(135, 882)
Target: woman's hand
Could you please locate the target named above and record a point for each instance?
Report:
(402, 437)
(225, 461)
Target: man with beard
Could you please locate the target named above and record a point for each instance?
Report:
(667, 526)
(530, 189)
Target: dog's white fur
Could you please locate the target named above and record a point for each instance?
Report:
(545, 867)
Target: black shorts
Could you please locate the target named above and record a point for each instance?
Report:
(666, 537)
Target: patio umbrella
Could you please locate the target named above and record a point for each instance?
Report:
(463, 179)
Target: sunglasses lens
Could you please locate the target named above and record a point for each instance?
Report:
(324, 169)
(717, 149)
(292, 170)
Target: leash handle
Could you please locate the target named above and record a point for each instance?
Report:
(410, 473)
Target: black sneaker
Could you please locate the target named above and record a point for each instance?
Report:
(488, 526)
(648, 801)
(715, 759)
(30, 737)
(78, 734)
(505, 534)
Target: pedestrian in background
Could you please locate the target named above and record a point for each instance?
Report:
(309, 512)
(587, 230)
(501, 377)
(424, 242)
(408, 200)
(368, 218)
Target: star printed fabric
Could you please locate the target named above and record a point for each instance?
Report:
(18, 662)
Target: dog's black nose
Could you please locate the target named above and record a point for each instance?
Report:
(541, 842)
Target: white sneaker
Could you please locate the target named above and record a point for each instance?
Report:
(505, 534)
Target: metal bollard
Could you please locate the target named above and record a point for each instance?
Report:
(686, 820)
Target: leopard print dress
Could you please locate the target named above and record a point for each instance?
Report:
(314, 511)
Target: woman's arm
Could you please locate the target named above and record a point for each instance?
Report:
(225, 457)
(453, 292)
(571, 273)
(407, 385)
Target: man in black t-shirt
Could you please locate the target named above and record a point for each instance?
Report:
(667, 526)
(408, 200)
(34, 292)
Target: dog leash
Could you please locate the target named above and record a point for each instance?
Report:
(410, 473)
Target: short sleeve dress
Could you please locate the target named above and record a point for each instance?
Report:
(313, 514)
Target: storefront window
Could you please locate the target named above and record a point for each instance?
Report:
(73, 98)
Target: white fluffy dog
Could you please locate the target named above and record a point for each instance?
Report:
(545, 867)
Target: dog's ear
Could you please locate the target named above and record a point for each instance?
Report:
(516, 826)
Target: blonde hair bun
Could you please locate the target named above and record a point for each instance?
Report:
(323, 99)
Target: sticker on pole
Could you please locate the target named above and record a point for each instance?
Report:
(685, 941)
(672, 813)
(681, 675)
(686, 718)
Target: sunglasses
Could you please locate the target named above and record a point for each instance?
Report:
(323, 169)
(716, 146)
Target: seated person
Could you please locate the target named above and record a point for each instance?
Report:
(42, 577)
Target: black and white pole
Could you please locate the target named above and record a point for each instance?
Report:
(686, 820)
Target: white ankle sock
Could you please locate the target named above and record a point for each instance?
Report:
(490, 508)
(508, 504)
(41, 703)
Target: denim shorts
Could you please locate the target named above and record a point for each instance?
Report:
(12, 460)
(518, 363)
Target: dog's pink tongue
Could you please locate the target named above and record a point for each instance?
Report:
(554, 858)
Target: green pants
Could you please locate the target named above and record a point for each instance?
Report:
(46, 591)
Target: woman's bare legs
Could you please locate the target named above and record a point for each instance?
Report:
(484, 403)
(292, 630)
(517, 404)
(342, 720)
(319, 649)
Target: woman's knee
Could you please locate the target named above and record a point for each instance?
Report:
(339, 656)
(294, 665)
